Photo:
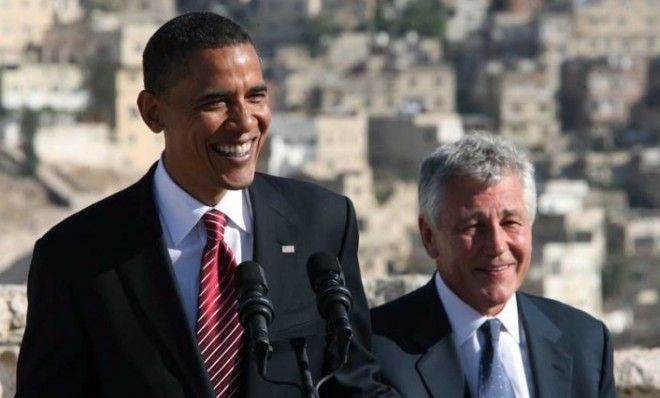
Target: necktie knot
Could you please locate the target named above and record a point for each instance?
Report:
(491, 329)
(214, 222)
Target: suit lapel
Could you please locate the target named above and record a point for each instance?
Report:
(441, 371)
(439, 367)
(275, 238)
(552, 366)
(150, 283)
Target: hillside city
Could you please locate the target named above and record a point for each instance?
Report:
(361, 91)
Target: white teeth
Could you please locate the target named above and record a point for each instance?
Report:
(234, 150)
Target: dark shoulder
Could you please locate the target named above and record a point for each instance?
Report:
(399, 313)
(572, 321)
(307, 202)
(118, 209)
(303, 189)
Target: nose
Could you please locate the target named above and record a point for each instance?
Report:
(496, 241)
(241, 117)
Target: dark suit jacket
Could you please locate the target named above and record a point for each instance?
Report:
(570, 352)
(105, 317)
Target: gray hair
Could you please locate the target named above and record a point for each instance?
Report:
(483, 157)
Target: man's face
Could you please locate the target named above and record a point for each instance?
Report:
(215, 120)
(483, 243)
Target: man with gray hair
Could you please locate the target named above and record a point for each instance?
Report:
(469, 331)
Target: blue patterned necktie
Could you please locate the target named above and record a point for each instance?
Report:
(493, 380)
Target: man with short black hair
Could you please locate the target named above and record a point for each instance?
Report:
(469, 331)
(135, 295)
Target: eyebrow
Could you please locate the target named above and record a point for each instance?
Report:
(213, 96)
(259, 88)
(479, 214)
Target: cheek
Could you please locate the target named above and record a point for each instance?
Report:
(263, 117)
(208, 123)
(466, 246)
(522, 242)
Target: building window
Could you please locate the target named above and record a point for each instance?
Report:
(555, 268)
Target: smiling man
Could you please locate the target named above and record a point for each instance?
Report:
(135, 295)
(469, 332)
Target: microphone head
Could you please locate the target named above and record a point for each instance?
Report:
(250, 275)
(252, 292)
(320, 267)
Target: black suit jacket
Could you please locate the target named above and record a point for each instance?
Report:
(570, 352)
(105, 317)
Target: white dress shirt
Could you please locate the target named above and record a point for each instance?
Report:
(185, 236)
(469, 344)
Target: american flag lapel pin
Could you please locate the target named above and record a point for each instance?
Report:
(288, 249)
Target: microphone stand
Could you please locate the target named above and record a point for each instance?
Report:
(261, 354)
(299, 346)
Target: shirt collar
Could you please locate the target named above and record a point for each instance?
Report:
(180, 212)
(465, 320)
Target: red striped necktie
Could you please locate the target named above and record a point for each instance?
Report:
(219, 332)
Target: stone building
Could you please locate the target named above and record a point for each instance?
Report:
(76, 144)
(570, 245)
(276, 22)
(521, 97)
(465, 17)
(642, 234)
(24, 23)
(599, 95)
(423, 88)
(33, 86)
(398, 143)
(605, 28)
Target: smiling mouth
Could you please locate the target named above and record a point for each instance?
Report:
(495, 270)
(233, 151)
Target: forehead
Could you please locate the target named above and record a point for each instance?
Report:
(465, 194)
(242, 57)
(229, 69)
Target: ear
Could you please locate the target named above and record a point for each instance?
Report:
(149, 107)
(428, 235)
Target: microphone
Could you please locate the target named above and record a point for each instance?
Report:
(333, 299)
(255, 310)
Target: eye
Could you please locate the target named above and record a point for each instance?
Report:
(213, 105)
(472, 228)
(258, 97)
(510, 223)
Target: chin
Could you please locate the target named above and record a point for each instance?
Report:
(498, 296)
(238, 183)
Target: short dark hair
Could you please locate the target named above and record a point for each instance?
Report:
(165, 55)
